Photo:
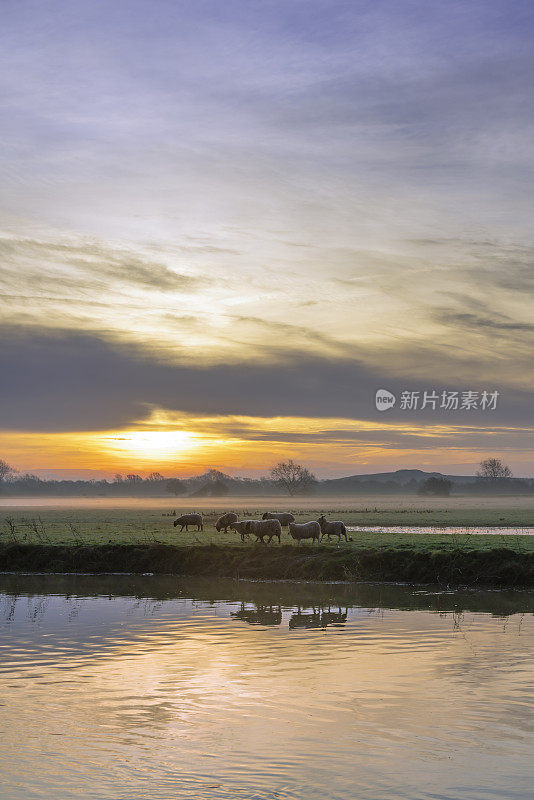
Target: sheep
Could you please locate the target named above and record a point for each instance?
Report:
(189, 519)
(240, 528)
(265, 527)
(305, 530)
(335, 528)
(284, 518)
(223, 522)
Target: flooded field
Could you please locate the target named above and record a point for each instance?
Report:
(452, 531)
(123, 687)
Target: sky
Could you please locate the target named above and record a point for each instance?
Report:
(225, 226)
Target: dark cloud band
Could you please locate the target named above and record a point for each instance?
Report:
(68, 381)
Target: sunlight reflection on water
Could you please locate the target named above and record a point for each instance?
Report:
(184, 689)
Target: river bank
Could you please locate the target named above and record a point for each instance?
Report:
(496, 567)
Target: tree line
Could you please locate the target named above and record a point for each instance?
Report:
(285, 477)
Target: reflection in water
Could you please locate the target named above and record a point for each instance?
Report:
(259, 615)
(157, 687)
(317, 618)
(272, 615)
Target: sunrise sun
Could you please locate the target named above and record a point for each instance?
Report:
(149, 445)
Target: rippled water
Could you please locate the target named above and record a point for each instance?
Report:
(122, 687)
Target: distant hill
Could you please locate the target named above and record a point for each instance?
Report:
(402, 477)
(409, 481)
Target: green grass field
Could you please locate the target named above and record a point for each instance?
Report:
(79, 524)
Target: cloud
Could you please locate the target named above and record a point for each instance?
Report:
(501, 325)
(354, 116)
(263, 208)
(71, 381)
(295, 337)
(401, 434)
(86, 266)
(398, 309)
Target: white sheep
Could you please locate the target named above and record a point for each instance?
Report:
(265, 527)
(189, 519)
(284, 517)
(240, 528)
(223, 523)
(334, 528)
(305, 530)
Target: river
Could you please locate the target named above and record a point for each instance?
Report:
(123, 687)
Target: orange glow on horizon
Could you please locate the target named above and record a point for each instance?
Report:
(178, 444)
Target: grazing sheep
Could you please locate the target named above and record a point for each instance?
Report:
(305, 530)
(241, 528)
(223, 522)
(335, 528)
(284, 518)
(265, 527)
(189, 519)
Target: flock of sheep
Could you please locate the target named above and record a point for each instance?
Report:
(269, 527)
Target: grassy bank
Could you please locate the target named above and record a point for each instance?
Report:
(138, 539)
(452, 566)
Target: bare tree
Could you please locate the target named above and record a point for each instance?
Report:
(155, 476)
(214, 475)
(5, 470)
(294, 478)
(493, 469)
